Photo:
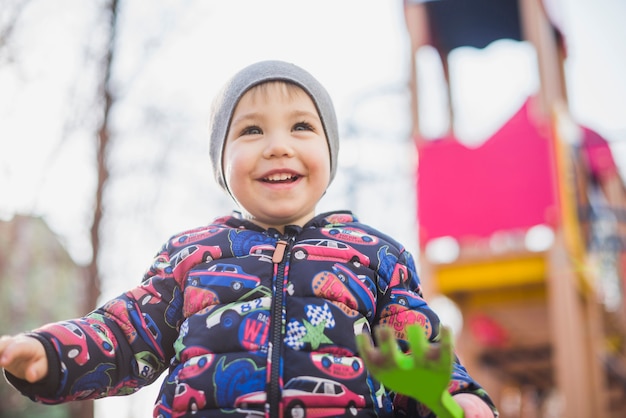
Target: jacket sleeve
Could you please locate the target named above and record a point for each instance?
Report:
(114, 350)
(403, 304)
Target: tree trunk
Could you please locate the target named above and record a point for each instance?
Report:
(105, 98)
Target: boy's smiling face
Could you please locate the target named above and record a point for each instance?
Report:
(276, 158)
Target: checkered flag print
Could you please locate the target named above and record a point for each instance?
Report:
(295, 332)
(318, 314)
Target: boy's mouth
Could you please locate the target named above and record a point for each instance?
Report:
(281, 178)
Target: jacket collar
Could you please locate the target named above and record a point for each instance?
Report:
(237, 221)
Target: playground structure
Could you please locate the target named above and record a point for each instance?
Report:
(524, 233)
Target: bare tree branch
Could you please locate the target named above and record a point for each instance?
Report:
(9, 18)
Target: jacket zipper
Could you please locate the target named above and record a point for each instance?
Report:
(276, 338)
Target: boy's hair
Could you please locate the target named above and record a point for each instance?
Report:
(259, 73)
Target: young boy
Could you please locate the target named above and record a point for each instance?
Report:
(256, 313)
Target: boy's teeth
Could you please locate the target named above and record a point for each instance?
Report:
(278, 177)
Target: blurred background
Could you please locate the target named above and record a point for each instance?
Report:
(103, 114)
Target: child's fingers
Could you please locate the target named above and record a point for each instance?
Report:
(35, 372)
(23, 357)
(5, 353)
(5, 340)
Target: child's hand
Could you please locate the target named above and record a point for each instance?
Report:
(24, 357)
(473, 406)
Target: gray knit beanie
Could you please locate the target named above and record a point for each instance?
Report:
(259, 73)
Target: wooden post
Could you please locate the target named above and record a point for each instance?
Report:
(577, 366)
(417, 27)
(537, 30)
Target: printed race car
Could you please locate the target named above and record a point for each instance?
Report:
(328, 286)
(118, 311)
(195, 366)
(73, 340)
(195, 236)
(361, 285)
(263, 251)
(330, 250)
(307, 396)
(223, 275)
(204, 288)
(146, 293)
(404, 308)
(230, 315)
(198, 298)
(187, 398)
(191, 255)
(101, 335)
(407, 298)
(247, 320)
(147, 329)
(349, 234)
(342, 367)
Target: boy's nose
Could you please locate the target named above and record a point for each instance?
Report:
(278, 145)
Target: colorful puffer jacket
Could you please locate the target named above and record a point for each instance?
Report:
(249, 321)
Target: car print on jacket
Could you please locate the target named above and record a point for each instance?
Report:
(195, 235)
(223, 276)
(264, 252)
(102, 336)
(250, 318)
(407, 298)
(195, 366)
(329, 250)
(401, 312)
(350, 292)
(361, 285)
(148, 364)
(236, 378)
(93, 382)
(186, 258)
(341, 367)
(186, 398)
(307, 396)
(244, 242)
(118, 311)
(147, 329)
(229, 315)
(73, 340)
(208, 287)
(327, 285)
(146, 294)
(351, 235)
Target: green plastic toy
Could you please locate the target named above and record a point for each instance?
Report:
(423, 374)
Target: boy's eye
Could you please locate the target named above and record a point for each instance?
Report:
(303, 126)
(252, 130)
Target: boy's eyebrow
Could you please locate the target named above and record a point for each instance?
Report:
(306, 113)
(240, 118)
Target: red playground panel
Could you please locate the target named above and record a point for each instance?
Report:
(507, 183)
